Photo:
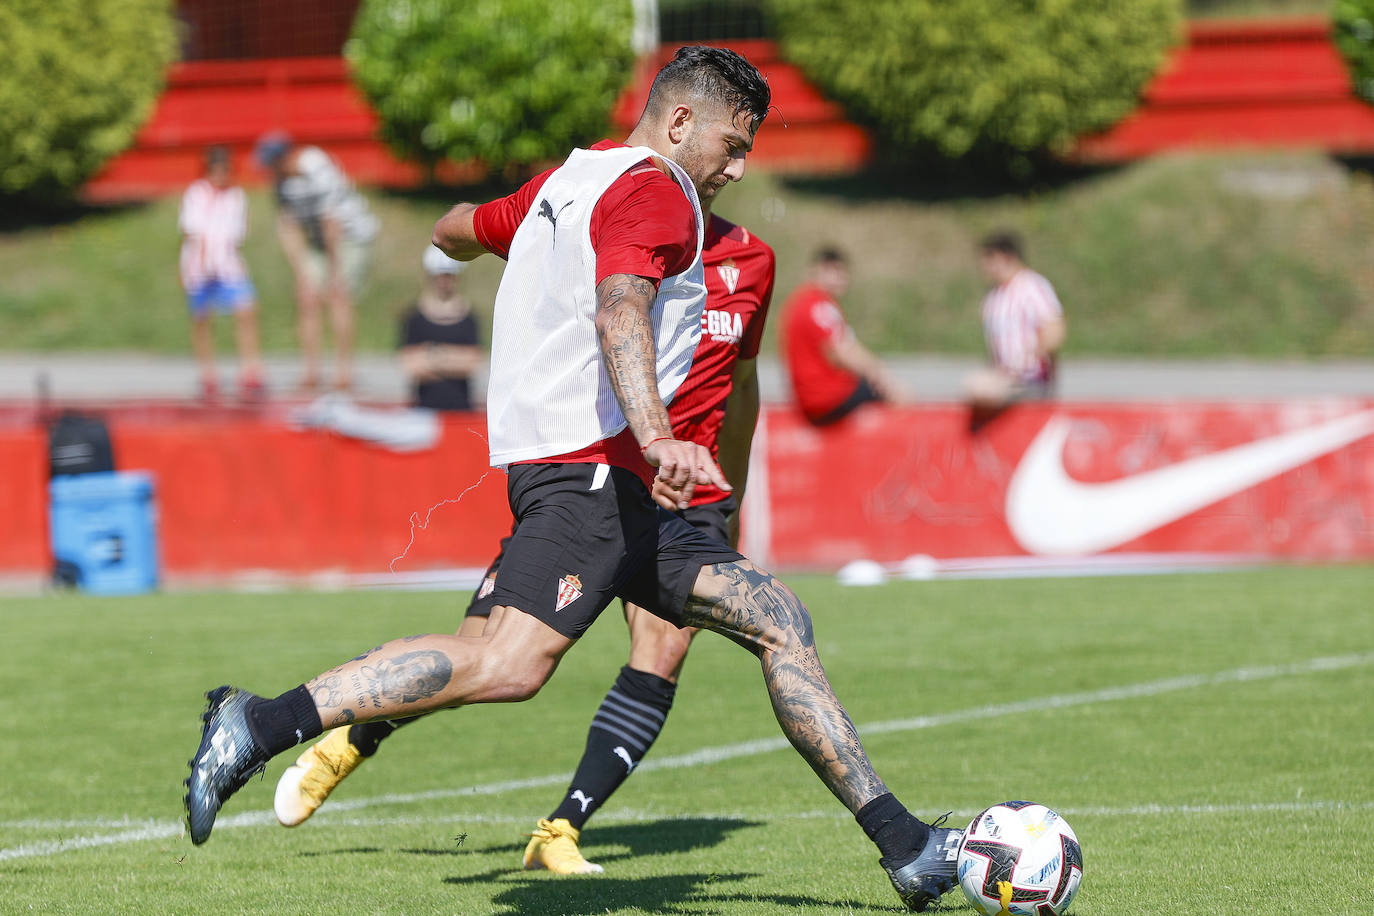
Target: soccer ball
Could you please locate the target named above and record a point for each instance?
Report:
(1020, 859)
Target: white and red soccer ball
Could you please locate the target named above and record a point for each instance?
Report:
(1022, 859)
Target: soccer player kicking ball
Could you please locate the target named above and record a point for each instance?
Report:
(717, 406)
(595, 325)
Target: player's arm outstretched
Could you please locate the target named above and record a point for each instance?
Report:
(455, 234)
(626, 335)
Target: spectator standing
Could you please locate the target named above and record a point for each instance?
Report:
(832, 373)
(214, 221)
(439, 344)
(1023, 326)
(326, 231)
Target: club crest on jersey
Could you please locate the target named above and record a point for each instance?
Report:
(569, 590)
(729, 275)
(488, 585)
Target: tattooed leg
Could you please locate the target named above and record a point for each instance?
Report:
(759, 612)
(418, 674)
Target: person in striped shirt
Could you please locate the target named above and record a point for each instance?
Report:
(326, 231)
(213, 222)
(1023, 326)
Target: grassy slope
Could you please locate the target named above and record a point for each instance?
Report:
(106, 691)
(1232, 9)
(1263, 255)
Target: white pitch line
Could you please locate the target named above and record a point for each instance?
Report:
(150, 830)
(168, 829)
(631, 816)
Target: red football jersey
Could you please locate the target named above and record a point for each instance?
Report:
(642, 225)
(810, 320)
(739, 288)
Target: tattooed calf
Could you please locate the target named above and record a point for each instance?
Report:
(411, 676)
(326, 690)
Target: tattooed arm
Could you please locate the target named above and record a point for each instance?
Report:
(623, 303)
(626, 333)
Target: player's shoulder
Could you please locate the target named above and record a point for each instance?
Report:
(648, 172)
(312, 159)
(738, 240)
(650, 179)
(646, 190)
(1035, 284)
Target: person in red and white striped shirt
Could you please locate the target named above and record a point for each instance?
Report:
(1023, 325)
(214, 220)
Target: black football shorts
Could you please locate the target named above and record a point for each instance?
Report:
(587, 533)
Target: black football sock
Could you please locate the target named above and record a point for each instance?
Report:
(624, 729)
(367, 736)
(284, 722)
(897, 833)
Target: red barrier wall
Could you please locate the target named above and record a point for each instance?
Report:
(1247, 84)
(257, 495)
(893, 483)
(233, 102)
(1261, 84)
(1280, 480)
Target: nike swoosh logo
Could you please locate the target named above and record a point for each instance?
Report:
(1049, 513)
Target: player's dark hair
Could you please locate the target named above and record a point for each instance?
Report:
(1003, 242)
(718, 74)
(829, 254)
(216, 156)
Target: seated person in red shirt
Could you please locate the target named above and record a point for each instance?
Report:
(439, 343)
(831, 372)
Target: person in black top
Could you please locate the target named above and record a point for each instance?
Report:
(439, 345)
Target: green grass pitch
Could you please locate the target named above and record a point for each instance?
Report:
(1210, 737)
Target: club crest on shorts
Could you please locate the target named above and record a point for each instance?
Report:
(487, 587)
(729, 275)
(569, 590)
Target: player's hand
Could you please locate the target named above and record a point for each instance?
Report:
(665, 496)
(682, 466)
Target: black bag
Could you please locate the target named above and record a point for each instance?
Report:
(79, 444)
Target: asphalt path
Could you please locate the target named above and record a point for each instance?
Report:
(932, 378)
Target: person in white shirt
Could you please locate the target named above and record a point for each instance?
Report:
(326, 230)
(214, 221)
(1023, 326)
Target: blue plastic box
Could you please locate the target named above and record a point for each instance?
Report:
(104, 525)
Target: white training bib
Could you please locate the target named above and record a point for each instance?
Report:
(549, 392)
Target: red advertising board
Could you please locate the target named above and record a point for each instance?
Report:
(1283, 480)
(1279, 479)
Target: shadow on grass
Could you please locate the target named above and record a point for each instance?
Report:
(935, 180)
(683, 893)
(542, 893)
(352, 850)
(1352, 163)
(19, 213)
(662, 838)
(669, 836)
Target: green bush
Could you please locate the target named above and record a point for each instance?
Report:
(1353, 31)
(500, 81)
(960, 76)
(78, 78)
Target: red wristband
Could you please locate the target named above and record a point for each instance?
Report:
(645, 447)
